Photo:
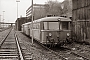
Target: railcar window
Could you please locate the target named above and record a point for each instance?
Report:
(51, 25)
(29, 26)
(65, 25)
(45, 25)
(36, 26)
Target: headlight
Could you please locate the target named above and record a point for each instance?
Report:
(68, 34)
(50, 34)
(57, 36)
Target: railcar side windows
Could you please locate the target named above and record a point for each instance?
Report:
(36, 26)
(45, 26)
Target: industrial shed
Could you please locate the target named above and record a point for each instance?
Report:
(81, 19)
(19, 22)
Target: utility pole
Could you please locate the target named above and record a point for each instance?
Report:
(17, 7)
(0, 21)
(32, 21)
(17, 13)
(3, 19)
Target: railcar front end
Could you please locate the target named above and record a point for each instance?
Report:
(55, 32)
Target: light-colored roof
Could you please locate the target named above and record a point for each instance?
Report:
(26, 23)
(52, 19)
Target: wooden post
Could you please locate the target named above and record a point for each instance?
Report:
(32, 21)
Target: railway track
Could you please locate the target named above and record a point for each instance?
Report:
(82, 50)
(3, 29)
(10, 48)
(51, 54)
(78, 52)
(23, 50)
(69, 54)
(38, 52)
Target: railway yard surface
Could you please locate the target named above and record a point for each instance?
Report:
(14, 45)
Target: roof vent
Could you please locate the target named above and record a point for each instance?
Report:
(50, 15)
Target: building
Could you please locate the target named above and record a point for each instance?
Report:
(19, 22)
(38, 11)
(81, 18)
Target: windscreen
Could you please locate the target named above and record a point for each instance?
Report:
(65, 25)
(51, 25)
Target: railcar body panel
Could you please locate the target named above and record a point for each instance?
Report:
(26, 28)
(55, 34)
(36, 34)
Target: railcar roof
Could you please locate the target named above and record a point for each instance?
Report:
(52, 19)
(47, 19)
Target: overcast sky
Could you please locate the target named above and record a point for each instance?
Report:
(10, 8)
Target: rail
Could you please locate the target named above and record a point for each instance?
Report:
(10, 47)
(5, 38)
(19, 48)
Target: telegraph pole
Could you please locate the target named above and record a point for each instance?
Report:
(3, 19)
(17, 13)
(0, 21)
(17, 7)
(32, 21)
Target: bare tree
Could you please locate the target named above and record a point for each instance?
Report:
(53, 7)
(57, 8)
(67, 6)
